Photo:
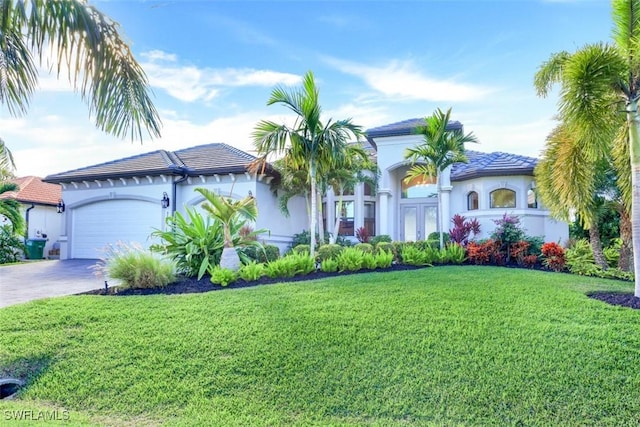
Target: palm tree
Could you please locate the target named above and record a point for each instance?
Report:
(570, 182)
(309, 140)
(596, 83)
(442, 147)
(87, 46)
(10, 207)
(7, 165)
(356, 167)
(227, 210)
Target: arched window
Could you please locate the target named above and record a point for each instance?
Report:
(472, 201)
(532, 201)
(503, 198)
(419, 187)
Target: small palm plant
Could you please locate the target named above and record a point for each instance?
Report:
(228, 211)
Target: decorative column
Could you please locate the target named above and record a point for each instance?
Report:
(383, 220)
(445, 209)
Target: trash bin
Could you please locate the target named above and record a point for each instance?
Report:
(35, 248)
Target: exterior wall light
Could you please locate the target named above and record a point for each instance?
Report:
(165, 200)
(60, 206)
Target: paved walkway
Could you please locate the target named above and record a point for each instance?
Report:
(42, 279)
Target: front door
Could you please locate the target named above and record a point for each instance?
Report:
(417, 221)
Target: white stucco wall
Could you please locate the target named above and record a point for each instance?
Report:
(44, 219)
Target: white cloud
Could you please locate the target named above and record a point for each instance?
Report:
(400, 80)
(189, 83)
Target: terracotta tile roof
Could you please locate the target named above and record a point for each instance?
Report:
(200, 160)
(492, 164)
(34, 190)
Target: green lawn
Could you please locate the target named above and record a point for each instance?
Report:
(439, 346)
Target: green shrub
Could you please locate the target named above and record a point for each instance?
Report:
(432, 255)
(397, 249)
(135, 267)
(435, 237)
(384, 259)
(301, 249)
(222, 276)
(329, 251)
(329, 265)
(282, 267)
(251, 271)
(379, 239)
(385, 247)
(303, 263)
(350, 259)
(369, 261)
(262, 254)
(535, 244)
(272, 253)
(411, 255)
(612, 253)
(364, 247)
(11, 246)
(455, 253)
(579, 259)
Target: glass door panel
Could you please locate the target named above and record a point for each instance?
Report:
(409, 223)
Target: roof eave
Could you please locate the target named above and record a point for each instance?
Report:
(493, 173)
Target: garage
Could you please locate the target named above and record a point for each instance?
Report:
(96, 225)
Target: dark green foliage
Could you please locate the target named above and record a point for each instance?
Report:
(535, 244)
(508, 231)
(435, 237)
(364, 247)
(329, 251)
(381, 238)
(261, 255)
(608, 225)
(11, 246)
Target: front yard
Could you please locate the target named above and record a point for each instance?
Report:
(438, 346)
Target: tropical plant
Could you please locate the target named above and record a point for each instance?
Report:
(508, 231)
(251, 271)
(362, 235)
(380, 238)
(369, 261)
(11, 246)
(412, 255)
(384, 259)
(193, 242)
(10, 207)
(553, 256)
(442, 147)
(463, 229)
(481, 253)
(597, 82)
(86, 46)
(229, 212)
(350, 259)
(309, 142)
(329, 265)
(455, 253)
(135, 267)
(282, 267)
(329, 251)
(7, 164)
(301, 249)
(364, 247)
(222, 276)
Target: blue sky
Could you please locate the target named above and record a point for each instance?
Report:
(213, 64)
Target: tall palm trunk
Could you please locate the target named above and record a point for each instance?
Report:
(596, 245)
(634, 148)
(314, 207)
(320, 221)
(626, 250)
(440, 225)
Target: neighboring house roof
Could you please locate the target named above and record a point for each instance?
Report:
(405, 127)
(34, 190)
(217, 158)
(492, 164)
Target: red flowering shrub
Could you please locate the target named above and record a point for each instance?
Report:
(529, 261)
(519, 250)
(481, 253)
(553, 256)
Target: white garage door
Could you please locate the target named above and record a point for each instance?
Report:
(97, 225)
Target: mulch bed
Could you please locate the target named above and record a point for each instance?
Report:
(190, 285)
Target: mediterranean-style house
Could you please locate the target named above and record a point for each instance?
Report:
(39, 208)
(126, 199)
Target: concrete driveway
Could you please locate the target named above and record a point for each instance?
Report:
(43, 279)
